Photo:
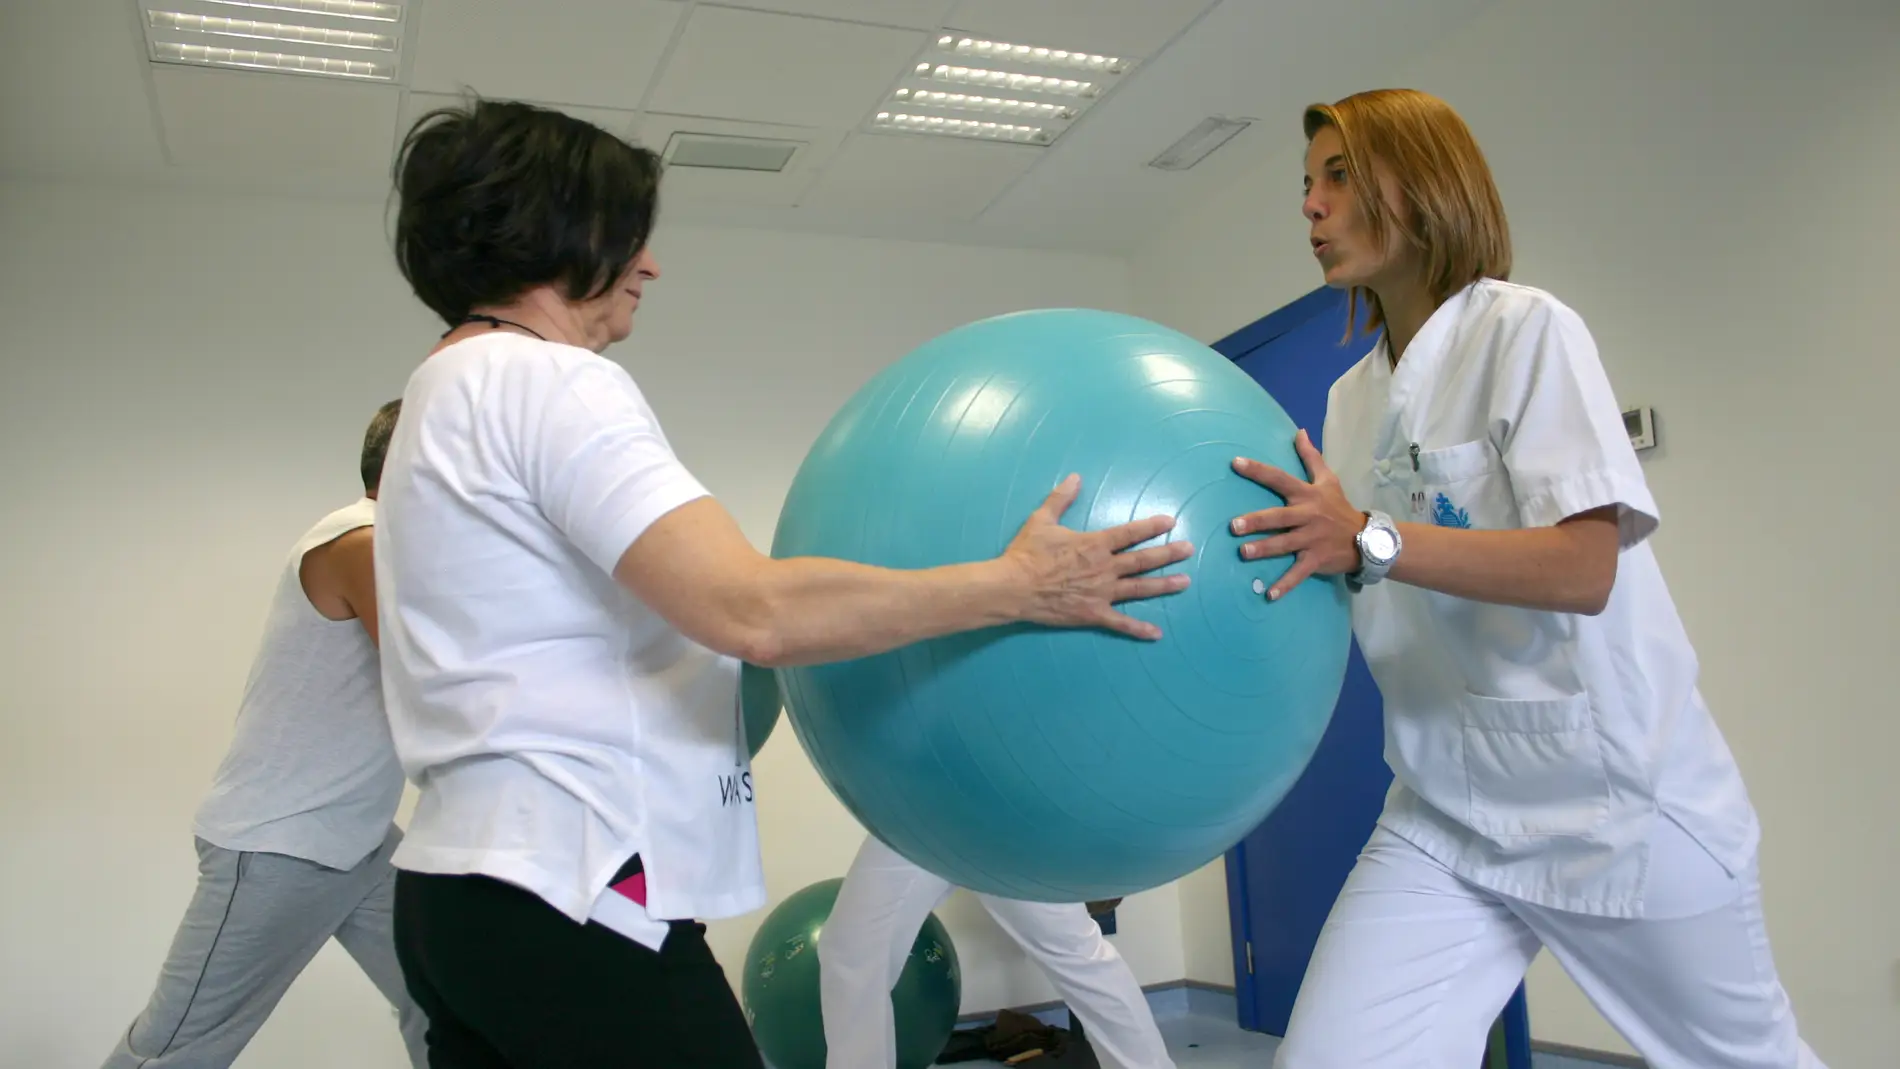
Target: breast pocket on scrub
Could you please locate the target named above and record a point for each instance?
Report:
(1463, 485)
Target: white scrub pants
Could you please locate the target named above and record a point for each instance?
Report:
(1414, 964)
(868, 937)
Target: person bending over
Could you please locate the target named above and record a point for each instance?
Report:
(295, 837)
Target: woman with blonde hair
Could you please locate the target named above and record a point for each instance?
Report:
(1559, 782)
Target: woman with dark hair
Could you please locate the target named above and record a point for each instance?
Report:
(564, 608)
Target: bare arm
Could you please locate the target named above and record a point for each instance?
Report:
(597, 465)
(1569, 567)
(339, 578)
(695, 568)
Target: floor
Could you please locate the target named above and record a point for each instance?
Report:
(1199, 1029)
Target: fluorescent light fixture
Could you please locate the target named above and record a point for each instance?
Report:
(1054, 57)
(342, 9)
(219, 26)
(282, 62)
(354, 39)
(984, 104)
(1210, 134)
(1014, 81)
(973, 128)
(728, 152)
(972, 87)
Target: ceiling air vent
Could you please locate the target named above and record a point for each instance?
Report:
(726, 152)
(1199, 143)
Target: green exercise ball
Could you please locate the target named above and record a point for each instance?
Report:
(760, 703)
(780, 988)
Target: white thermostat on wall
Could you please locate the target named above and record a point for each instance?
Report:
(1641, 425)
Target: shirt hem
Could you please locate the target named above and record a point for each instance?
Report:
(340, 860)
(1448, 853)
(576, 904)
(710, 908)
(437, 861)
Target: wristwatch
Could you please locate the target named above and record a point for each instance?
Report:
(1379, 545)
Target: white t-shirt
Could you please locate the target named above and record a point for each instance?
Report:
(310, 772)
(1532, 751)
(553, 724)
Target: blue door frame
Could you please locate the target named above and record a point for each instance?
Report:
(1325, 837)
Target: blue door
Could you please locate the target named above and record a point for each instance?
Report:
(1282, 879)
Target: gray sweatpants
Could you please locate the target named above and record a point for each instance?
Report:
(254, 923)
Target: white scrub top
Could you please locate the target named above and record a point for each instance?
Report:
(1532, 751)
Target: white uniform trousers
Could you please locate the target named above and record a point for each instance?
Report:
(1414, 964)
(868, 937)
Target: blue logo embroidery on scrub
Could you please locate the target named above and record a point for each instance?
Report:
(1446, 514)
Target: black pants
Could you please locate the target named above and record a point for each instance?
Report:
(508, 982)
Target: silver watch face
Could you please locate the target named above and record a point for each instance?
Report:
(1379, 544)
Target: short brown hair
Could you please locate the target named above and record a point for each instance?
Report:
(1453, 214)
(376, 444)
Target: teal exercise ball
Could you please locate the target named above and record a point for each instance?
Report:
(759, 705)
(1063, 765)
(779, 988)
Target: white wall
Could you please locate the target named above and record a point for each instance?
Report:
(1713, 186)
(184, 382)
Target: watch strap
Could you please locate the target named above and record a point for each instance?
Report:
(1371, 571)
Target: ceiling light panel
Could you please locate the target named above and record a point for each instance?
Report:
(974, 87)
(357, 40)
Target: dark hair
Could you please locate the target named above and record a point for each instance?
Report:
(376, 443)
(496, 197)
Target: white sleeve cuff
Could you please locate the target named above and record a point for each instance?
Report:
(611, 539)
(1552, 502)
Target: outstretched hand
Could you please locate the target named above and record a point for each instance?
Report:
(1076, 578)
(1317, 526)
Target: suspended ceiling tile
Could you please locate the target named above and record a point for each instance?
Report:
(901, 175)
(1138, 28)
(73, 98)
(581, 52)
(281, 123)
(911, 14)
(616, 122)
(759, 67)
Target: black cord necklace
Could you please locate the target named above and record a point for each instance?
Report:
(492, 321)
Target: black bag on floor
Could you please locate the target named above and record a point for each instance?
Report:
(1017, 1035)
